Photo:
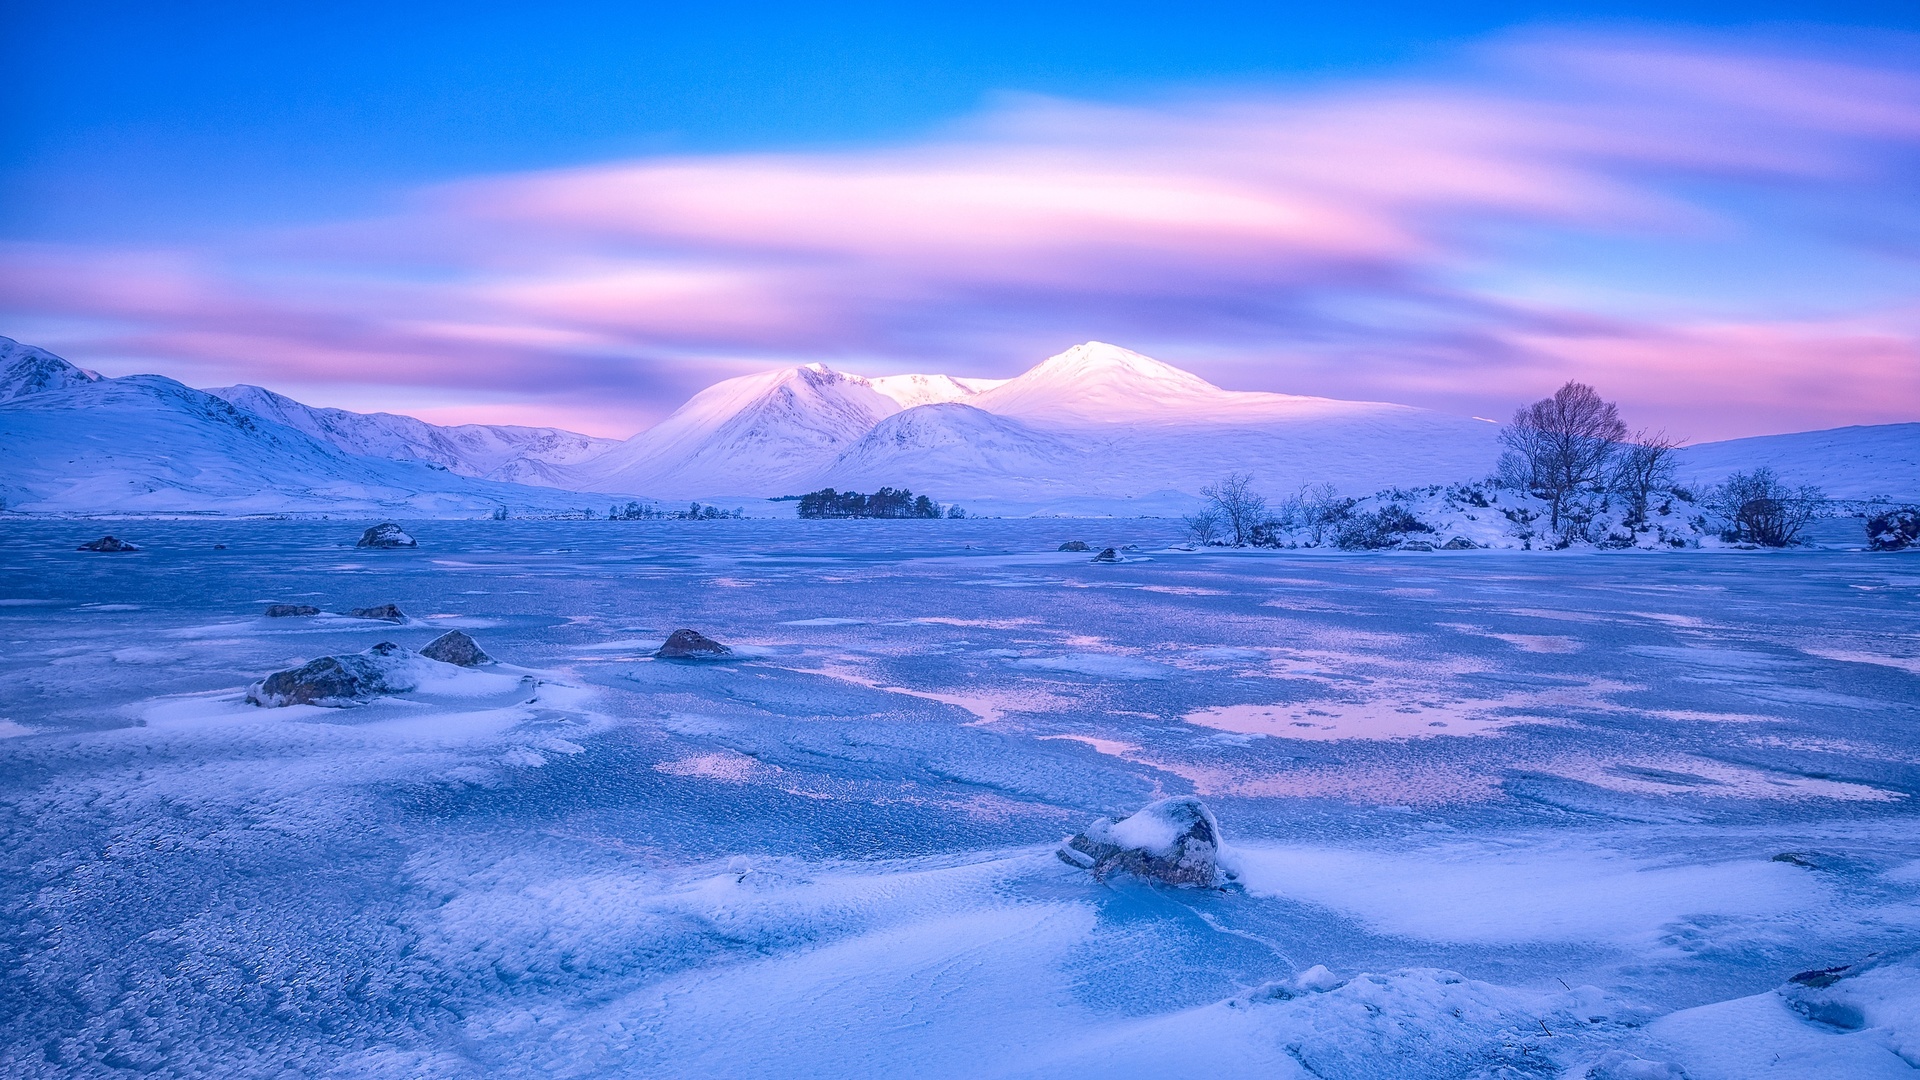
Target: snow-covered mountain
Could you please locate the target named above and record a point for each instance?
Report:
(754, 435)
(1095, 422)
(28, 369)
(489, 451)
(74, 442)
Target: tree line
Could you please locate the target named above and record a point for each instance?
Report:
(884, 503)
(1564, 450)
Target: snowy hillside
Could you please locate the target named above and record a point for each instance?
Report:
(77, 443)
(496, 452)
(1881, 461)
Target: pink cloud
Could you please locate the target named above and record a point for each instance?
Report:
(1337, 241)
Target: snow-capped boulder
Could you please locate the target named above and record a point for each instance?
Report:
(385, 613)
(386, 535)
(286, 611)
(691, 645)
(1106, 555)
(454, 647)
(1459, 543)
(1174, 840)
(1075, 545)
(107, 543)
(338, 681)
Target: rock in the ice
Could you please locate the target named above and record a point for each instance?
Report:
(454, 647)
(385, 613)
(1075, 545)
(1174, 840)
(1459, 543)
(386, 535)
(337, 681)
(1107, 555)
(286, 611)
(691, 645)
(107, 543)
(1895, 530)
(1415, 545)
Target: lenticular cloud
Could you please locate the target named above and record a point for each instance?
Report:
(1509, 219)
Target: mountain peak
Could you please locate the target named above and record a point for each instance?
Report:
(28, 369)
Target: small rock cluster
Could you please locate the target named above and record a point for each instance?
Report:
(291, 611)
(341, 681)
(107, 543)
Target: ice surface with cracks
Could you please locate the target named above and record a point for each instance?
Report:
(834, 855)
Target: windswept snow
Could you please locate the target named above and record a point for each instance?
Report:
(1686, 849)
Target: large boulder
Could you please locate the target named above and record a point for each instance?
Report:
(691, 645)
(337, 681)
(1107, 555)
(287, 611)
(454, 647)
(386, 535)
(385, 613)
(1175, 840)
(107, 543)
(1075, 545)
(1895, 530)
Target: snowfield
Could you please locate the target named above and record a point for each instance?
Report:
(1625, 815)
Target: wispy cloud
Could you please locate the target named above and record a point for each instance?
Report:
(1627, 210)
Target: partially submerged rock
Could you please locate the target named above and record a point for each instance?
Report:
(287, 611)
(107, 543)
(1107, 555)
(1175, 840)
(386, 535)
(385, 613)
(1459, 543)
(337, 681)
(691, 645)
(1075, 545)
(454, 647)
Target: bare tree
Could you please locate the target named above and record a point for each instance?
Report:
(1644, 465)
(1238, 508)
(1203, 526)
(1761, 509)
(1559, 445)
(1314, 510)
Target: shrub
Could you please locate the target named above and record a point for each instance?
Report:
(1383, 528)
(1758, 508)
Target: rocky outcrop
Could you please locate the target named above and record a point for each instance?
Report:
(1459, 543)
(1175, 841)
(454, 647)
(337, 681)
(385, 613)
(386, 535)
(691, 645)
(1895, 530)
(107, 543)
(1075, 545)
(287, 611)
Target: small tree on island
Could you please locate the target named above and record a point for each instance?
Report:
(1643, 465)
(1559, 445)
(1238, 511)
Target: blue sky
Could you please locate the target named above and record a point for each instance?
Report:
(226, 150)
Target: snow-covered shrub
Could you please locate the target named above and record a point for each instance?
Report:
(1383, 528)
(1895, 530)
(1757, 508)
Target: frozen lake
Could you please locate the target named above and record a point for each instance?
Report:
(1496, 814)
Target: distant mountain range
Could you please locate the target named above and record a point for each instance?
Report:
(1095, 429)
